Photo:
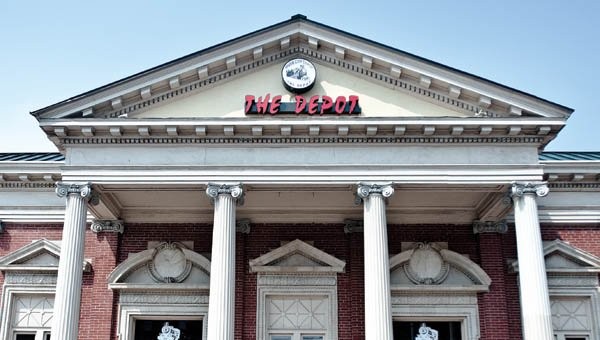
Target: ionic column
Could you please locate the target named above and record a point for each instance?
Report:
(222, 268)
(67, 299)
(533, 285)
(378, 310)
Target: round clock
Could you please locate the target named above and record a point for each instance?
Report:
(298, 75)
(169, 263)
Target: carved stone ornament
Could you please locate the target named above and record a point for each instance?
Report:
(169, 263)
(480, 227)
(64, 189)
(426, 265)
(353, 226)
(169, 332)
(213, 190)
(365, 189)
(519, 189)
(427, 333)
(113, 226)
(243, 226)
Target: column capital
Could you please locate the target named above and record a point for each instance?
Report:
(519, 189)
(114, 226)
(213, 190)
(366, 189)
(480, 227)
(243, 226)
(65, 189)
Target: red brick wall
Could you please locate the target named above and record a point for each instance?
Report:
(96, 298)
(136, 237)
(16, 236)
(499, 309)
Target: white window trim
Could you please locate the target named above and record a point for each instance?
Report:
(8, 299)
(130, 313)
(264, 291)
(590, 293)
(467, 315)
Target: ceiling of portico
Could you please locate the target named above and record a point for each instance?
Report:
(264, 204)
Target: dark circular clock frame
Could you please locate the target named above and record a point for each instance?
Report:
(295, 89)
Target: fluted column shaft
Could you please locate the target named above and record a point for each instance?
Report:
(65, 325)
(378, 311)
(221, 306)
(533, 285)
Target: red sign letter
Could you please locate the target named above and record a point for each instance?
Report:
(275, 105)
(353, 102)
(340, 104)
(327, 103)
(313, 103)
(261, 105)
(249, 102)
(300, 104)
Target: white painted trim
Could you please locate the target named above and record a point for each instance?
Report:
(129, 313)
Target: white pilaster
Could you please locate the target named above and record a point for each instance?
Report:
(378, 311)
(65, 325)
(222, 269)
(533, 285)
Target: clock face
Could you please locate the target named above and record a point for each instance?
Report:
(298, 75)
(169, 264)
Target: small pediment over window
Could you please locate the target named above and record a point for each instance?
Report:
(40, 255)
(562, 257)
(297, 257)
(166, 265)
(431, 267)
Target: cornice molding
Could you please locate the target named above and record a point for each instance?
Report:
(302, 140)
(27, 185)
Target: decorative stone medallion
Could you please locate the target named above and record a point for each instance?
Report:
(426, 265)
(169, 263)
(298, 75)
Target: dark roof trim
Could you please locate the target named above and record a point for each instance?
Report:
(32, 157)
(58, 157)
(570, 156)
(295, 18)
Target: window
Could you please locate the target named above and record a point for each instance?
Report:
(571, 317)
(31, 317)
(409, 330)
(297, 336)
(151, 329)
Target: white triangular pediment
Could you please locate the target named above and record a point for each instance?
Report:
(39, 255)
(560, 256)
(297, 256)
(212, 82)
(227, 100)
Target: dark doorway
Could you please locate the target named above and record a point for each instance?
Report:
(408, 330)
(151, 329)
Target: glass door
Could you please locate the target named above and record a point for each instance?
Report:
(168, 329)
(426, 330)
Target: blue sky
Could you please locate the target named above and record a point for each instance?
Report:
(52, 50)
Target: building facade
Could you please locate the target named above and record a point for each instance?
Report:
(300, 183)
